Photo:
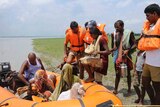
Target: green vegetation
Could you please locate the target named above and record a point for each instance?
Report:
(50, 46)
(50, 51)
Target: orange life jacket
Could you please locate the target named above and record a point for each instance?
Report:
(101, 28)
(151, 38)
(76, 40)
(88, 39)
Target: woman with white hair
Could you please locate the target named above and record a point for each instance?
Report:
(43, 84)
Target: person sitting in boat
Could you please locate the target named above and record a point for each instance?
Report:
(67, 79)
(74, 63)
(77, 91)
(29, 68)
(42, 86)
(44, 82)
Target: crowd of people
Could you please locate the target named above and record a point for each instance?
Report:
(89, 50)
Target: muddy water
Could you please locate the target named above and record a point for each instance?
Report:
(15, 51)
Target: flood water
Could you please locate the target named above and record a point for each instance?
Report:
(15, 51)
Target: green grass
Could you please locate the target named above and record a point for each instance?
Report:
(51, 50)
(52, 46)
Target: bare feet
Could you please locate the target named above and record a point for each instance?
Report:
(100, 83)
(137, 101)
(89, 80)
(141, 102)
(128, 94)
(115, 92)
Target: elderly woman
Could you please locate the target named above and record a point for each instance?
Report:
(66, 81)
(42, 83)
(100, 55)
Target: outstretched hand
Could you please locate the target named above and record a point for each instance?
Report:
(118, 61)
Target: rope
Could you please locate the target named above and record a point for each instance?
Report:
(130, 59)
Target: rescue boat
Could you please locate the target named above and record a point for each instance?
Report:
(95, 96)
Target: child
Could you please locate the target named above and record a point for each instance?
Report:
(137, 76)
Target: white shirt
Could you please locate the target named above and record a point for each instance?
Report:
(153, 58)
(65, 95)
(140, 62)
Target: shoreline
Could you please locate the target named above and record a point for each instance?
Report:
(51, 53)
(31, 37)
(15, 51)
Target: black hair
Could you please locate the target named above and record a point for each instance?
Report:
(73, 24)
(86, 24)
(120, 22)
(152, 8)
(95, 31)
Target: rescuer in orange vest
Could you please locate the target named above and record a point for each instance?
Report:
(74, 36)
(150, 42)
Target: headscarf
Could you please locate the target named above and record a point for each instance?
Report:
(66, 81)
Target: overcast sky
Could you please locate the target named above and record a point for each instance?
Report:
(53, 17)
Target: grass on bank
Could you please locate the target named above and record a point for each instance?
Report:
(51, 51)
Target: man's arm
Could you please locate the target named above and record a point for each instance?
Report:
(112, 40)
(104, 43)
(65, 45)
(21, 72)
(132, 42)
(42, 67)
